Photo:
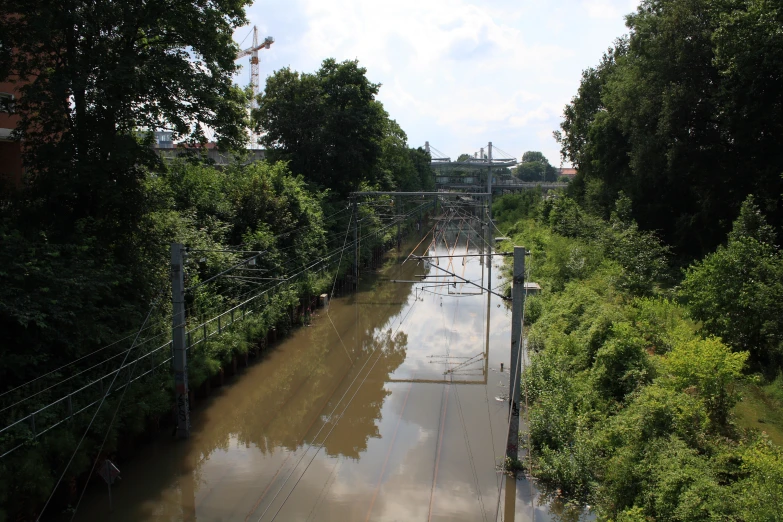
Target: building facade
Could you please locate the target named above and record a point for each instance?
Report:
(568, 172)
(11, 168)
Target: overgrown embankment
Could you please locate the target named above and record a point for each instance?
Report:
(223, 216)
(635, 370)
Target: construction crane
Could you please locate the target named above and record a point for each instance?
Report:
(253, 53)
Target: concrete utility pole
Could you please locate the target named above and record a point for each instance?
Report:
(489, 183)
(398, 211)
(515, 368)
(180, 354)
(356, 243)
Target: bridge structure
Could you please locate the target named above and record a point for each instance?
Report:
(482, 172)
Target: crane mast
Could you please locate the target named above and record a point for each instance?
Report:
(254, 82)
(254, 70)
(253, 53)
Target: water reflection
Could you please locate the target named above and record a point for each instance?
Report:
(346, 419)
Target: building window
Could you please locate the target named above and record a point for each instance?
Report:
(7, 102)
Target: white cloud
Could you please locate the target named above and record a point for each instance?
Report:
(609, 9)
(458, 73)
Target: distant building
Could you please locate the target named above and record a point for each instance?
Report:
(168, 150)
(568, 172)
(11, 167)
(164, 139)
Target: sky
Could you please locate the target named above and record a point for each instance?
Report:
(456, 73)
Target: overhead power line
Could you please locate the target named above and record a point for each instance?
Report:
(209, 328)
(64, 366)
(81, 372)
(98, 409)
(129, 336)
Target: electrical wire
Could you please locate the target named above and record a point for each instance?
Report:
(105, 437)
(334, 284)
(288, 233)
(331, 416)
(486, 314)
(98, 409)
(304, 269)
(70, 363)
(244, 261)
(322, 260)
(72, 376)
(459, 405)
(329, 432)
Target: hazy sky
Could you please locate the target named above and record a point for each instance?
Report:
(457, 73)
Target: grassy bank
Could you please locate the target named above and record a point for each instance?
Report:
(761, 408)
(635, 407)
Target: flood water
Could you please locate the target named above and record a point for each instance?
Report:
(388, 407)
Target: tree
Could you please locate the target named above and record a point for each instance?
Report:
(683, 116)
(737, 291)
(399, 166)
(99, 71)
(587, 125)
(708, 367)
(80, 266)
(85, 239)
(749, 56)
(533, 155)
(535, 167)
(327, 125)
(422, 164)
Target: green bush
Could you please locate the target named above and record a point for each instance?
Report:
(621, 363)
(709, 368)
(737, 291)
(630, 396)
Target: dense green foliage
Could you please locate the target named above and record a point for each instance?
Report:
(331, 129)
(58, 303)
(630, 399)
(86, 239)
(98, 71)
(685, 116)
(535, 167)
(61, 302)
(737, 291)
(636, 369)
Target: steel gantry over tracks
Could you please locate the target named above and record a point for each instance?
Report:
(495, 181)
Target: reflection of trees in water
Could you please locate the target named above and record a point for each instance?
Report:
(293, 393)
(358, 422)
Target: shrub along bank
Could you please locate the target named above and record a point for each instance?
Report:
(76, 302)
(632, 380)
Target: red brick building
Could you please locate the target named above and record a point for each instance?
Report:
(566, 171)
(10, 149)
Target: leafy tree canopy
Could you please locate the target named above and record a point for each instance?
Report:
(327, 125)
(535, 167)
(684, 115)
(99, 71)
(737, 290)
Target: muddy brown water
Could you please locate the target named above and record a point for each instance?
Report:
(356, 417)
